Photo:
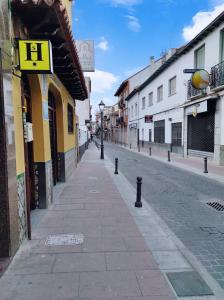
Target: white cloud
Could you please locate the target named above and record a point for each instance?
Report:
(103, 88)
(133, 23)
(200, 21)
(127, 3)
(102, 81)
(103, 44)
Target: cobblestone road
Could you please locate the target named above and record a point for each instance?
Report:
(180, 198)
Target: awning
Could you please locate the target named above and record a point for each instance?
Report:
(206, 98)
(48, 19)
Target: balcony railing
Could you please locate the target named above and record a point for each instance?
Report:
(192, 92)
(217, 75)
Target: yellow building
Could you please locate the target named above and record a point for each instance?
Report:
(43, 126)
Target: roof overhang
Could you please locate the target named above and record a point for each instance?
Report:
(121, 88)
(48, 19)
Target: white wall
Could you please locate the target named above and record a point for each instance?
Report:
(169, 107)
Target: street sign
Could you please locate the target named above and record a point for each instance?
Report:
(190, 71)
(35, 56)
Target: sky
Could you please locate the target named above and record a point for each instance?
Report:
(127, 32)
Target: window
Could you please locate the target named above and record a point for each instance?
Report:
(199, 57)
(136, 109)
(159, 131)
(222, 45)
(160, 93)
(143, 103)
(177, 134)
(70, 118)
(150, 135)
(172, 86)
(150, 103)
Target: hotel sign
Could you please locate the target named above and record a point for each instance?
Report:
(85, 50)
(35, 56)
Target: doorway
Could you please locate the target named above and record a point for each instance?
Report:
(28, 151)
(53, 135)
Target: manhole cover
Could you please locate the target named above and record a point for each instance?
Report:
(216, 205)
(189, 284)
(64, 239)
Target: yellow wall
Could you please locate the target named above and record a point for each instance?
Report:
(41, 143)
(41, 135)
(66, 141)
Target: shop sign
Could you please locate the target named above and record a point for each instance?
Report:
(133, 125)
(148, 119)
(200, 79)
(35, 56)
(85, 50)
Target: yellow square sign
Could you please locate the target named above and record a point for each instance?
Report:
(35, 56)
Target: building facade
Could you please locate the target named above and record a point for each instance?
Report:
(167, 113)
(84, 120)
(38, 113)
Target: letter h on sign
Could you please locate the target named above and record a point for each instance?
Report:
(32, 49)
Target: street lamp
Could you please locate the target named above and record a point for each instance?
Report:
(101, 106)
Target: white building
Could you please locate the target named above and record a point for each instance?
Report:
(125, 88)
(83, 113)
(160, 111)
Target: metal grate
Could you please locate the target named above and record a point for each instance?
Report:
(216, 205)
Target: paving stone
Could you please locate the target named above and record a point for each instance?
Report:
(111, 283)
(77, 262)
(32, 264)
(102, 244)
(130, 261)
(171, 260)
(152, 283)
(41, 286)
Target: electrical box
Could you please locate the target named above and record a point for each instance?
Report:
(29, 131)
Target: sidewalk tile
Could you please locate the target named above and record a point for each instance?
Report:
(39, 287)
(130, 261)
(152, 283)
(111, 283)
(79, 262)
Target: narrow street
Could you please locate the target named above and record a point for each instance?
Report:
(180, 198)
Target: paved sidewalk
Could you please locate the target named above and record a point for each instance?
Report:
(192, 164)
(112, 263)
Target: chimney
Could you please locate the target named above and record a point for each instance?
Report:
(152, 60)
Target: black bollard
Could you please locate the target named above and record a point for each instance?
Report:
(130, 146)
(138, 202)
(205, 165)
(150, 151)
(168, 153)
(116, 166)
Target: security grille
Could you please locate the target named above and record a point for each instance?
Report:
(216, 205)
(159, 131)
(201, 130)
(176, 134)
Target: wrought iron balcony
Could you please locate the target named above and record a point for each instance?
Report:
(217, 75)
(192, 92)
